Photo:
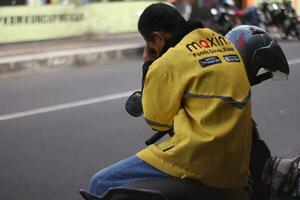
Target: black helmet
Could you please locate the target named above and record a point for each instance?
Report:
(258, 50)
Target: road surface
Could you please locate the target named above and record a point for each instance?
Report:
(57, 129)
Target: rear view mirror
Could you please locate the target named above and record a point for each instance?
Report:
(134, 104)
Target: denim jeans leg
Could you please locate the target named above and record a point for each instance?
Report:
(130, 169)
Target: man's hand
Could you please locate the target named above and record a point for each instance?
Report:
(149, 54)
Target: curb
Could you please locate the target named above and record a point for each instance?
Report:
(70, 57)
(56, 59)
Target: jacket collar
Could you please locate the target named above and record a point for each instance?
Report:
(177, 36)
(174, 39)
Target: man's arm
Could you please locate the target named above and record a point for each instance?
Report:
(161, 100)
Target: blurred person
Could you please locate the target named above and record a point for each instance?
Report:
(252, 17)
(183, 6)
(6, 2)
(41, 2)
(12, 2)
(191, 88)
(85, 1)
(19, 2)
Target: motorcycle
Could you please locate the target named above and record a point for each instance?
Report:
(177, 189)
(153, 189)
(224, 19)
(293, 27)
(283, 17)
(269, 175)
(251, 16)
(156, 189)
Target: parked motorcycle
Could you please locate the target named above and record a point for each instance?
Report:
(292, 27)
(251, 16)
(177, 189)
(283, 17)
(224, 18)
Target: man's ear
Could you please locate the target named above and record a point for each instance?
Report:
(160, 36)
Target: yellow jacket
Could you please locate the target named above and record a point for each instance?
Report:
(200, 89)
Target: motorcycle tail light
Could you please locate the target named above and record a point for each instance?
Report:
(239, 13)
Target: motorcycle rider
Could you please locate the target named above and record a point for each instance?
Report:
(195, 85)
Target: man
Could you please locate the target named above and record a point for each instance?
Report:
(194, 84)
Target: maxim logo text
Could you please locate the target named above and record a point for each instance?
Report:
(207, 43)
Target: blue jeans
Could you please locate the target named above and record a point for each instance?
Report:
(124, 171)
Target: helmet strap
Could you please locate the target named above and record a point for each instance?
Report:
(262, 77)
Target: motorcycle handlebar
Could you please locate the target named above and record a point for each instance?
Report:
(157, 136)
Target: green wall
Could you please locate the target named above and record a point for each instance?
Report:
(23, 23)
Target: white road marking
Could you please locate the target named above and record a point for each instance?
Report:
(65, 106)
(294, 61)
(82, 103)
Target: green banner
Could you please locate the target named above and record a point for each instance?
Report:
(23, 23)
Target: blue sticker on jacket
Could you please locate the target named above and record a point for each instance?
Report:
(232, 58)
(205, 62)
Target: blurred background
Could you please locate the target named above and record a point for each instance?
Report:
(27, 16)
(68, 66)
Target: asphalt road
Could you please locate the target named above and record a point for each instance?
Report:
(49, 153)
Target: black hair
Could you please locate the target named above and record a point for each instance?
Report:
(159, 17)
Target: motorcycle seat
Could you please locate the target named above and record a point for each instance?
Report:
(158, 189)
